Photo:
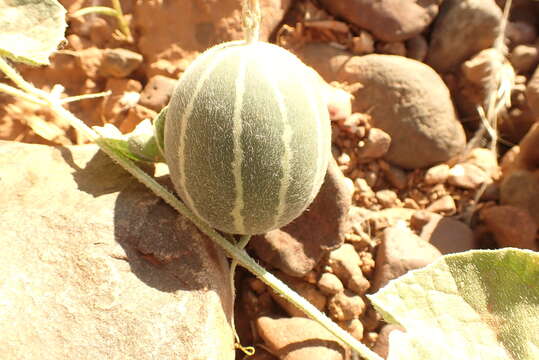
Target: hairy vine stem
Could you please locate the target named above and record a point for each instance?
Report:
(237, 253)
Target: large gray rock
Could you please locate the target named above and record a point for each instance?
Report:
(94, 266)
(410, 102)
(462, 29)
(388, 20)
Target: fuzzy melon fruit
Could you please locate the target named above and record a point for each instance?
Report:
(247, 137)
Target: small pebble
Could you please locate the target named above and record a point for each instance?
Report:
(363, 43)
(354, 327)
(524, 58)
(339, 103)
(437, 174)
(484, 159)
(396, 177)
(392, 48)
(344, 261)
(520, 32)
(157, 92)
(257, 285)
(346, 306)
(375, 145)
(445, 205)
(467, 176)
(386, 197)
(330, 284)
(308, 291)
(417, 48)
(358, 283)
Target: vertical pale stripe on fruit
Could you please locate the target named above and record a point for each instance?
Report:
(261, 140)
(238, 152)
(209, 138)
(287, 156)
(318, 131)
(183, 128)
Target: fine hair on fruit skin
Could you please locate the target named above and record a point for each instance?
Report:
(247, 137)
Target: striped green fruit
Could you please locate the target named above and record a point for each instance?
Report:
(247, 137)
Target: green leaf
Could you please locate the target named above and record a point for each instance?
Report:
(159, 130)
(31, 30)
(142, 143)
(481, 304)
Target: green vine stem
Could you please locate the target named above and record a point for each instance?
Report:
(103, 10)
(238, 255)
(122, 23)
(115, 11)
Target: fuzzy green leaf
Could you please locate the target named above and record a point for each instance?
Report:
(481, 305)
(31, 30)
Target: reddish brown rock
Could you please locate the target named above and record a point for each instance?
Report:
(524, 58)
(446, 234)
(400, 251)
(93, 255)
(299, 339)
(467, 176)
(375, 145)
(417, 48)
(125, 94)
(346, 305)
(532, 92)
(135, 115)
(296, 248)
(511, 226)
(520, 32)
(330, 284)
(444, 205)
(157, 92)
(520, 183)
(388, 20)
(437, 174)
(306, 290)
(344, 261)
(119, 63)
(520, 188)
(172, 33)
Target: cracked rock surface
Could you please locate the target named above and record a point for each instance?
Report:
(95, 266)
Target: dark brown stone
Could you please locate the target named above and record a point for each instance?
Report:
(296, 248)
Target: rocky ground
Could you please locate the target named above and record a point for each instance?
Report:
(409, 181)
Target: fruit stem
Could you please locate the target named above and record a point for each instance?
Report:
(251, 17)
(238, 255)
